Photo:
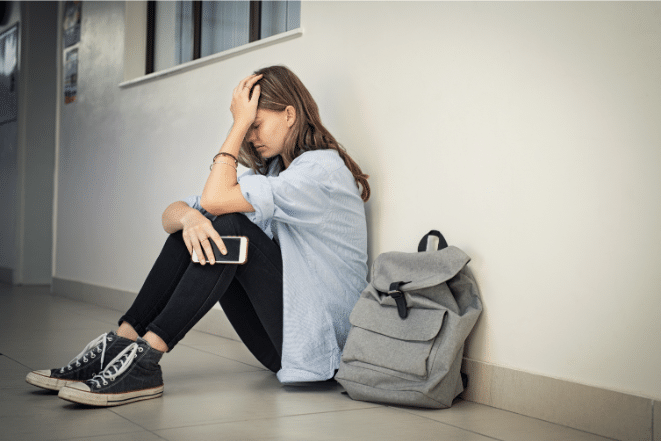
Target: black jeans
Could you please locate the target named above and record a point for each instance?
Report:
(178, 293)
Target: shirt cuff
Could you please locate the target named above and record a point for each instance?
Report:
(256, 189)
(194, 202)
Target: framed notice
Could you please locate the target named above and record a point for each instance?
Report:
(72, 10)
(71, 76)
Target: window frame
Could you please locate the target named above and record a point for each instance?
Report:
(135, 48)
(254, 21)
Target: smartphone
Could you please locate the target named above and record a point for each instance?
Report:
(237, 250)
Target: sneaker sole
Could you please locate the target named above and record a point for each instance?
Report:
(36, 378)
(107, 400)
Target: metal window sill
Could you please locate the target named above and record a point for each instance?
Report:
(284, 36)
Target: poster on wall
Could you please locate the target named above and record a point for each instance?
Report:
(8, 74)
(72, 10)
(71, 76)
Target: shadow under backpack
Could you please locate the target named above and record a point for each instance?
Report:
(408, 328)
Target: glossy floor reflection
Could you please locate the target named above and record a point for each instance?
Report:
(214, 390)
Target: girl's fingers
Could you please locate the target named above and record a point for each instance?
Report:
(189, 245)
(241, 85)
(252, 80)
(198, 250)
(247, 83)
(221, 245)
(213, 235)
(255, 94)
(208, 251)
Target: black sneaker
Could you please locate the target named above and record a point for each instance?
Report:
(133, 375)
(84, 366)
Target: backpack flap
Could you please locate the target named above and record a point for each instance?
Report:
(422, 270)
(424, 324)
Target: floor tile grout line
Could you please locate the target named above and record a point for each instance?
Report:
(551, 422)
(15, 361)
(448, 424)
(133, 422)
(537, 419)
(92, 437)
(211, 423)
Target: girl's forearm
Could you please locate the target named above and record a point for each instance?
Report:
(218, 193)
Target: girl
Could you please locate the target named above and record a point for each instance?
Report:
(301, 205)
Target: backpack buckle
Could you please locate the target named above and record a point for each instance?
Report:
(400, 298)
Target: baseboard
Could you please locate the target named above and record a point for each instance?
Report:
(600, 411)
(595, 410)
(214, 322)
(6, 275)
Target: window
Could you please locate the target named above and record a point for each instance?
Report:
(182, 31)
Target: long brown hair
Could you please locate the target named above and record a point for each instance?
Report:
(279, 88)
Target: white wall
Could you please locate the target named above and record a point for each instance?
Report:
(526, 132)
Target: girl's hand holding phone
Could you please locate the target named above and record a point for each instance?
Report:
(198, 232)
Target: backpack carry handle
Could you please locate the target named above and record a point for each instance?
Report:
(432, 241)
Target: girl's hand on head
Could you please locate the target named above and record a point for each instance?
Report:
(243, 107)
(198, 231)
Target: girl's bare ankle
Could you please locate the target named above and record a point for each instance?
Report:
(125, 330)
(155, 342)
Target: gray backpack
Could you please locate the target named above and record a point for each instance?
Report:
(408, 328)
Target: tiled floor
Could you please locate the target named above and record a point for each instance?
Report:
(214, 390)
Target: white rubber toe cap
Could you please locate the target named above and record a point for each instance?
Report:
(43, 379)
(79, 386)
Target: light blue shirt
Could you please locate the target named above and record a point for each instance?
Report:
(314, 210)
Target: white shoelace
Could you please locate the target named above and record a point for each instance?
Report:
(118, 365)
(89, 351)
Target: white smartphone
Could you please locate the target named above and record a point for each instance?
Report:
(237, 250)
